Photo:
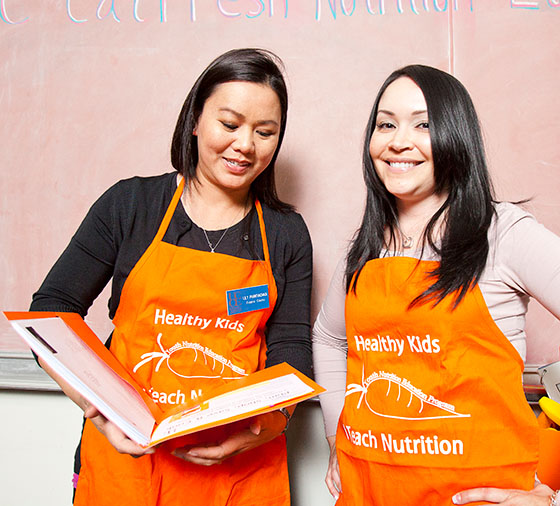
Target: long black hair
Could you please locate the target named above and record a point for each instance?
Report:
(252, 65)
(460, 169)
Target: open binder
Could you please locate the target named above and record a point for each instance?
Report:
(67, 344)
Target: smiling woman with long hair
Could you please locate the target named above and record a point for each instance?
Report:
(420, 340)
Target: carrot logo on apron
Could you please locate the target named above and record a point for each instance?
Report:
(214, 365)
(404, 400)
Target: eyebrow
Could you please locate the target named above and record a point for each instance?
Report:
(414, 113)
(241, 116)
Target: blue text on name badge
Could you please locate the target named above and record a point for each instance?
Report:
(247, 299)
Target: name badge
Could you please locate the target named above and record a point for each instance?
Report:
(247, 299)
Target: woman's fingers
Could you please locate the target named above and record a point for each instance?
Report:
(91, 411)
(333, 484)
(115, 436)
(495, 495)
(263, 429)
(539, 496)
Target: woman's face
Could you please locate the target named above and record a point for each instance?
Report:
(400, 145)
(237, 134)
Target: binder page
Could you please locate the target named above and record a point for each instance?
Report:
(70, 357)
(248, 401)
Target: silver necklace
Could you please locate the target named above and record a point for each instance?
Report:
(210, 245)
(213, 247)
(407, 241)
(235, 220)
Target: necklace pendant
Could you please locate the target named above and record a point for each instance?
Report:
(407, 241)
(214, 246)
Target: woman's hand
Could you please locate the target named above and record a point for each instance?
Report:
(263, 429)
(539, 496)
(333, 472)
(114, 435)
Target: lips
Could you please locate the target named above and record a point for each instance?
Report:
(235, 165)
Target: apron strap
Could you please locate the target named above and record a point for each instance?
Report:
(263, 231)
(170, 210)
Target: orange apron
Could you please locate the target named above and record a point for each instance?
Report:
(172, 330)
(434, 400)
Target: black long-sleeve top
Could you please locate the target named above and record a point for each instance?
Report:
(121, 225)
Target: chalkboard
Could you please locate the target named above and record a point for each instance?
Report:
(90, 91)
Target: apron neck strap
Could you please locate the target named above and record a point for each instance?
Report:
(263, 231)
(170, 210)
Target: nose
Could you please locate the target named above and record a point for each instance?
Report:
(400, 140)
(244, 141)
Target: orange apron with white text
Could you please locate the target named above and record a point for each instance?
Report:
(434, 400)
(173, 332)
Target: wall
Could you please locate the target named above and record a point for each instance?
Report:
(36, 464)
(91, 90)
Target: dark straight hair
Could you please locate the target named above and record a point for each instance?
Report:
(460, 169)
(251, 65)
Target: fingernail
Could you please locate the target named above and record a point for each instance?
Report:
(456, 499)
(192, 453)
(149, 451)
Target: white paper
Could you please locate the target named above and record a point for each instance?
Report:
(72, 359)
(238, 402)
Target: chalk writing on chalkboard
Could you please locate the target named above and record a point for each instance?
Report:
(103, 10)
(534, 5)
